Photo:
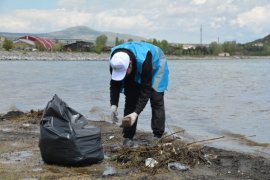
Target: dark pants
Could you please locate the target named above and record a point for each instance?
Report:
(158, 111)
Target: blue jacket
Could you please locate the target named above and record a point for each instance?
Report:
(160, 74)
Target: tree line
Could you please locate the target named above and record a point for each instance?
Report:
(231, 47)
(214, 49)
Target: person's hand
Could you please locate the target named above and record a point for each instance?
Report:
(129, 120)
(114, 114)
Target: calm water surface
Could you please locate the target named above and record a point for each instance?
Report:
(207, 98)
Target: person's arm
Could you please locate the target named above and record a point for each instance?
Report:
(115, 88)
(146, 83)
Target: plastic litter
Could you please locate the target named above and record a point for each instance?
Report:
(115, 119)
(207, 160)
(109, 171)
(26, 125)
(38, 169)
(177, 166)
(150, 162)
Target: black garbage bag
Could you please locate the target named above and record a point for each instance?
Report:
(65, 137)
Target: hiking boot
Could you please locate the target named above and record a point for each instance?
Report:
(128, 142)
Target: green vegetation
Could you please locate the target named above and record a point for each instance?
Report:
(100, 43)
(58, 47)
(231, 48)
(8, 44)
(215, 48)
(119, 41)
(40, 47)
(259, 47)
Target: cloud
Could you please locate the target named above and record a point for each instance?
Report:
(198, 2)
(256, 19)
(126, 22)
(43, 20)
(176, 9)
(51, 20)
(13, 24)
(70, 4)
(189, 26)
(162, 19)
(227, 7)
(218, 22)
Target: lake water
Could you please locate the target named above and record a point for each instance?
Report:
(207, 98)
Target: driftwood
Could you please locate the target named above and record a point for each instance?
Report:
(205, 140)
(164, 151)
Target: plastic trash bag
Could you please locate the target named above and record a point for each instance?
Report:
(150, 162)
(177, 166)
(65, 137)
(109, 171)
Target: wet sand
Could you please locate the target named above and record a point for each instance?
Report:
(20, 156)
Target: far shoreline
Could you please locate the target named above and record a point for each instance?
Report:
(91, 56)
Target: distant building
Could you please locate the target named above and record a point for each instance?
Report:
(24, 44)
(189, 46)
(194, 46)
(2, 39)
(107, 49)
(258, 44)
(42, 42)
(224, 54)
(81, 46)
(66, 41)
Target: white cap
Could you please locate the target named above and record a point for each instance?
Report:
(119, 63)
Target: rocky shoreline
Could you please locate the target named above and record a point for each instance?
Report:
(20, 156)
(51, 56)
(90, 56)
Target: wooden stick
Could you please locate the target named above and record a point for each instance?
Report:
(204, 140)
(172, 134)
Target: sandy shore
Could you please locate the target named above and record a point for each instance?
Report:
(20, 156)
(86, 56)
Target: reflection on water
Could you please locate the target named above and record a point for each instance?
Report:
(245, 139)
(206, 98)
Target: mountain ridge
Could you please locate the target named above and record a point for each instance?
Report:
(78, 32)
(88, 34)
(265, 40)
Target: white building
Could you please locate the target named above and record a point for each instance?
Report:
(24, 44)
(2, 39)
(258, 44)
(189, 46)
(224, 54)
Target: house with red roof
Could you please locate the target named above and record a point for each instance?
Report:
(35, 42)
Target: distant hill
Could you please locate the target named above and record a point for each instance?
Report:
(77, 32)
(265, 40)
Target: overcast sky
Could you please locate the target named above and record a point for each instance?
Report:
(173, 20)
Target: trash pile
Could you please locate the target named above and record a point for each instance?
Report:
(167, 154)
(32, 116)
